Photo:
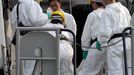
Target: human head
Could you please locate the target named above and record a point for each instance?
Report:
(96, 4)
(57, 17)
(55, 4)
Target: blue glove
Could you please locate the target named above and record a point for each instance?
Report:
(84, 54)
(49, 15)
(98, 46)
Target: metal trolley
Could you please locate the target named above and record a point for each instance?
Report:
(44, 52)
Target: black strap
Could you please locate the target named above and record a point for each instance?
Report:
(113, 37)
(19, 23)
(64, 39)
(17, 11)
(92, 41)
(116, 36)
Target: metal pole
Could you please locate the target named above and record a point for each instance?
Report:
(58, 42)
(17, 52)
(132, 53)
(125, 53)
(124, 47)
(4, 59)
(70, 6)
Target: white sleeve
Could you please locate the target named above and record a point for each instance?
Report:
(70, 24)
(36, 15)
(105, 29)
(86, 34)
(13, 19)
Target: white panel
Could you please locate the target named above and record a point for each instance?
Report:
(2, 34)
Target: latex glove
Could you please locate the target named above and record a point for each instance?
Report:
(49, 12)
(98, 46)
(49, 15)
(84, 54)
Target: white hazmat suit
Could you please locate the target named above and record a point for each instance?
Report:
(115, 18)
(66, 51)
(30, 14)
(95, 59)
(70, 23)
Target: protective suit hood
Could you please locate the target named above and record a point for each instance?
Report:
(116, 7)
(98, 12)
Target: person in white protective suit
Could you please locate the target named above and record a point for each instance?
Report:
(115, 18)
(29, 14)
(93, 59)
(69, 19)
(66, 50)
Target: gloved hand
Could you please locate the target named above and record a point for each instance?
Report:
(98, 46)
(84, 54)
(49, 15)
(49, 12)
